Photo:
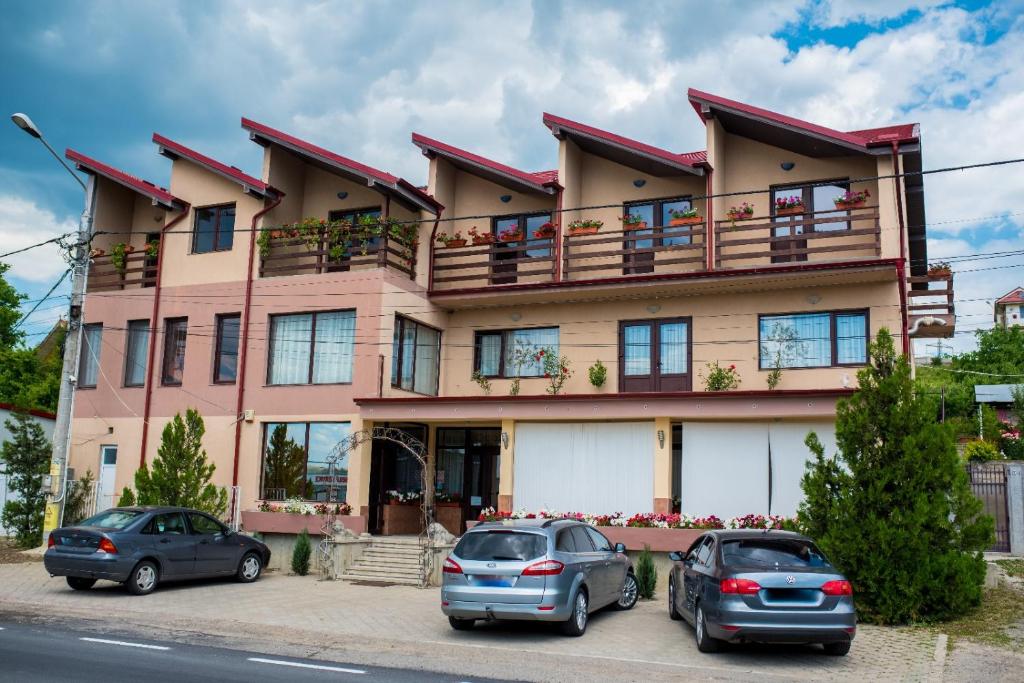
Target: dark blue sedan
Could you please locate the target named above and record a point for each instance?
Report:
(143, 546)
(761, 586)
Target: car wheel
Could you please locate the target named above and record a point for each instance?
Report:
(461, 624)
(628, 596)
(673, 613)
(705, 643)
(80, 584)
(143, 578)
(837, 649)
(577, 623)
(249, 568)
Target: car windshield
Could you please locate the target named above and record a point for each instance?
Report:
(111, 519)
(769, 552)
(501, 545)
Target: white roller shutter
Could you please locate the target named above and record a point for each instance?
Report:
(584, 467)
(789, 460)
(725, 469)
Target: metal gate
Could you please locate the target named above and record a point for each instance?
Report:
(988, 482)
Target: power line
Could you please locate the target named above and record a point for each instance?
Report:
(55, 285)
(34, 246)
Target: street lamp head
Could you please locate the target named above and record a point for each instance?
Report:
(25, 123)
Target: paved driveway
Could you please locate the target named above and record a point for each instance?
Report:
(398, 626)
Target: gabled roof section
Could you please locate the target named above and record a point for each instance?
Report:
(1016, 296)
(250, 185)
(544, 182)
(401, 189)
(159, 196)
(779, 129)
(623, 150)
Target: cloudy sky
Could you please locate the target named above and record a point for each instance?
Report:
(358, 77)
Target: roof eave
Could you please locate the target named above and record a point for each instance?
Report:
(512, 181)
(248, 188)
(559, 130)
(83, 164)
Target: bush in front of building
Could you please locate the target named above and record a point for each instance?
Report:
(300, 554)
(26, 457)
(76, 507)
(646, 574)
(981, 451)
(180, 475)
(894, 510)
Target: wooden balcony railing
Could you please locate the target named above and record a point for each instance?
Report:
(661, 249)
(931, 308)
(297, 256)
(139, 271)
(502, 263)
(818, 236)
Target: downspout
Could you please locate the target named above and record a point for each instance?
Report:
(901, 268)
(154, 320)
(558, 234)
(709, 238)
(244, 341)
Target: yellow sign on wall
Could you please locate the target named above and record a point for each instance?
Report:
(50, 518)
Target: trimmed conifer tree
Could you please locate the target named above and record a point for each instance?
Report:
(894, 510)
(181, 474)
(26, 456)
(301, 553)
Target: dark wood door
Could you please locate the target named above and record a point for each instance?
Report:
(654, 355)
(817, 200)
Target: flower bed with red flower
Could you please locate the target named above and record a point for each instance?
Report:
(648, 520)
(556, 368)
(718, 378)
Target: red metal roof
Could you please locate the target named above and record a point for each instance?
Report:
(248, 182)
(1015, 296)
(540, 179)
(158, 194)
(692, 159)
(907, 132)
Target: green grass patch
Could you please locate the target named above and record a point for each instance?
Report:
(1014, 568)
(1001, 609)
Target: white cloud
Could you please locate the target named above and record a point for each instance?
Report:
(24, 223)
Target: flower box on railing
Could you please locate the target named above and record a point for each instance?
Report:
(294, 522)
(690, 220)
(454, 244)
(846, 206)
(789, 210)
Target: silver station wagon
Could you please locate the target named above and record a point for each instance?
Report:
(552, 570)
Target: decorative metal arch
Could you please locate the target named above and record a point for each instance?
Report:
(338, 453)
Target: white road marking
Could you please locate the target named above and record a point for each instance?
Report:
(125, 644)
(300, 665)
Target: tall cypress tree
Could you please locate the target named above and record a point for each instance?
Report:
(26, 456)
(180, 475)
(894, 510)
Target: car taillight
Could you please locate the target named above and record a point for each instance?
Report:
(108, 547)
(837, 588)
(451, 566)
(50, 542)
(544, 568)
(740, 586)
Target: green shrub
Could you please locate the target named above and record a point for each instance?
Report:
(894, 510)
(300, 554)
(79, 495)
(646, 574)
(127, 498)
(981, 451)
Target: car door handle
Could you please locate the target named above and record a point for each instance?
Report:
(165, 540)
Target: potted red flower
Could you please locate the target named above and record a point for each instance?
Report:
(586, 226)
(546, 231)
(451, 241)
(851, 200)
(939, 270)
(481, 238)
(684, 217)
(789, 206)
(510, 235)
(741, 212)
(631, 222)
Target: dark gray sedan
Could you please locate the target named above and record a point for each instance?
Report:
(761, 586)
(143, 546)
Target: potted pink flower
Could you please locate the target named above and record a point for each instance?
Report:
(789, 206)
(546, 231)
(510, 235)
(741, 212)
(851, 200)
(451, 241)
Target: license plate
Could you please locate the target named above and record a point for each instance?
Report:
(486, 580)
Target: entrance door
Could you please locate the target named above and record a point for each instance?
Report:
(467, 468)
(392, 468)
(654, 355)
(108, 467)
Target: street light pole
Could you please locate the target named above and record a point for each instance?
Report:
(72, 341)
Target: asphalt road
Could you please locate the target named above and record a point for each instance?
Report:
(42, 653)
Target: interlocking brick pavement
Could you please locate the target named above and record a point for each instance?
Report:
(314, 617)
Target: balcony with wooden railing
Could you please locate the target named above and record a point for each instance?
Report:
(930, 305)
(285, 252)
(500, 263)
(139, 270)
(813, 237)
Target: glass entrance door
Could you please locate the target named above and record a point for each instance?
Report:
(467, 469)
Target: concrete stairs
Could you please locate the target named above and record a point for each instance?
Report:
(389, 559)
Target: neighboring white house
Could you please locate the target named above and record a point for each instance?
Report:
(45, 419)
(1009, 308)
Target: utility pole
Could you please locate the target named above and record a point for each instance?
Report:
(79, 261)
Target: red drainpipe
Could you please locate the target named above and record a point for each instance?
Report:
(152, 332)
(244, 341)
(558, 235)
(901, 268)
(709, 238)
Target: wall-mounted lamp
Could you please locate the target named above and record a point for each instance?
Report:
(342, 195)
(661, 438)
(654, 308)
(788, 165)
(505, 198)
(639, 182)
(157, 217)
(504, 440)
(515, 317)
(813, 298)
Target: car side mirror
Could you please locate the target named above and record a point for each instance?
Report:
(675, 556)
(620, 547)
